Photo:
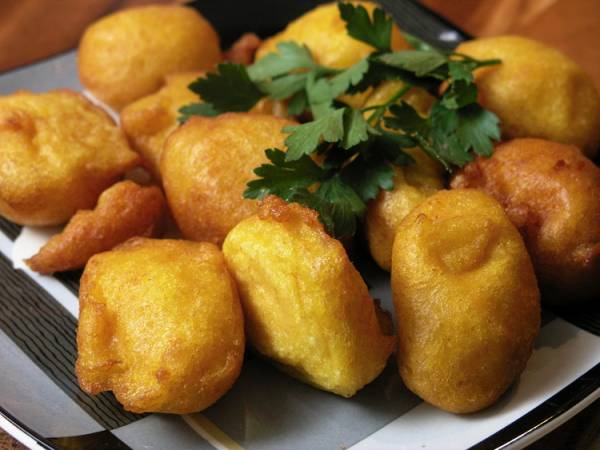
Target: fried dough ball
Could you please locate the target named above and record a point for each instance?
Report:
(551, 192)
(124, 210)
(149, 121)
(537, 91)
(466, 300)
(58, 152)
(205, 167)
(306, 306)
(323, 31)
(126, 55)
(412, 185)
(160, 325)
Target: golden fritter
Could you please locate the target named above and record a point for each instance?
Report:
(323, 31)
(551, 192)
(537, 91)
(205, 167)
(126, 55)
(466, 300)
(160, 325)
(306, 306)
(243, 50)
(412, 184)
(124, 210)
(149, 121)
(58, 152)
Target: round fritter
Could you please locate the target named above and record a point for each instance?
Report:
(205, 167)
(323, 31)
(551, 192)
(306, 306)
(124, 210)
(149, 121)
(58, 152)
(126, 55)
(412, 184)
(466, 300)
(537, 92)
(160, 325)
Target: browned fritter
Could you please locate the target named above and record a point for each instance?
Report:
(551, 192)
(124, 211)
(243, 50)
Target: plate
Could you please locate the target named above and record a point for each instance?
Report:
(42, 406)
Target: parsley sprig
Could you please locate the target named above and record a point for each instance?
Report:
(342, 158)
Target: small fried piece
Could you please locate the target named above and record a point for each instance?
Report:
(160, 325)
(323, 31)
(58, 152)
(537, 92)
(243, 50)
(412, 185)
(205, 167)
(466, 300)
(306, 306)
(149, 121)
(551, 192)
(126, 55)
(125, 210)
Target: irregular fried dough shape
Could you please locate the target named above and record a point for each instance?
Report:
(205, 167)
(127, 54)
(58, 152)
(323, 31)
(149, 121)
(160, 325)
(551, 192)
(537, 91)
(466, 300)
(125, 210)
(306, 306)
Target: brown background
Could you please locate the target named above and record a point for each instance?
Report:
(34, 29)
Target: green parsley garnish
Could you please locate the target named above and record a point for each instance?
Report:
(357, 148)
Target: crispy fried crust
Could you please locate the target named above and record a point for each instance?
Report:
(206, 164)
(537, 91)
(160, 325)
(306, 306)
(242, 51)
(466, 300)
(149, 121)
(126, 55)
(58, 152)
(124, 211)
(551, 193)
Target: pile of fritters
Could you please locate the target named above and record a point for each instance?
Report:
(164, 322)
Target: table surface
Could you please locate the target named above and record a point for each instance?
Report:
(30, 31)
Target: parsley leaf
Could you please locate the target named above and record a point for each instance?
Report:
(342, 204)
(367, 176)
(419, 62)
(196, 109)
(377, 33)
(305, 138)
(283, 177)
(289, 57)
(355, 128)
(230, 89)
(478, 128)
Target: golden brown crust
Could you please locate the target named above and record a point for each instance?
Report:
(160, 325)
(550, 191)
(125, 210)
(125, 56)
(242, 51)
(273, 207)
(466, 300)
(58, 152)
(206, 164)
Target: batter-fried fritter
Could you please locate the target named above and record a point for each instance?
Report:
(205, 167)
(551, 192)
(149, 121)
(160, 325)
(126, 55)
(306, 306)
(58, 152)
(466, 300)
(125, 210)
(537, 92)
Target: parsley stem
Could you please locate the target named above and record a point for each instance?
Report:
(380, 109)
